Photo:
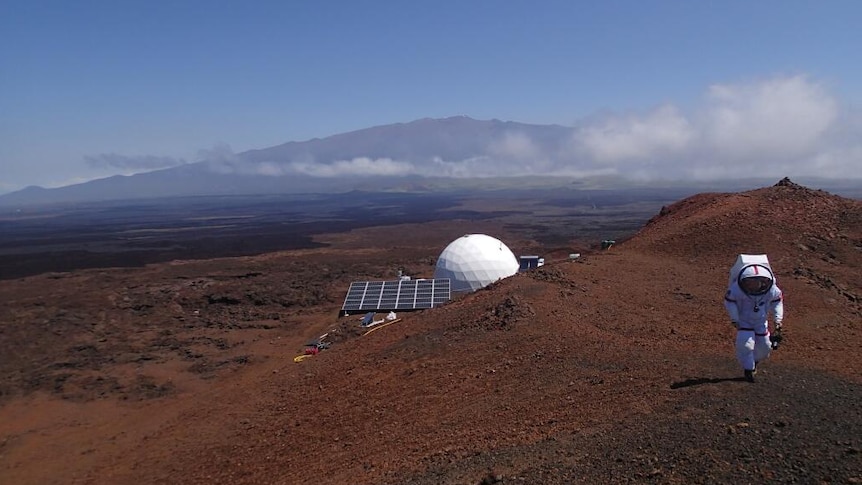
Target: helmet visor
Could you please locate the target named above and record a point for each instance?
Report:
(756, 285)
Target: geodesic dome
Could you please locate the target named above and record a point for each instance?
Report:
(474, 261)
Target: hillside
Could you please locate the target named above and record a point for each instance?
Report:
(809, 234)
(614, 368)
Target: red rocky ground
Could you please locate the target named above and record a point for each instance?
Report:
(614, 368)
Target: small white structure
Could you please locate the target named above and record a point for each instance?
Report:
(474, 261)
(531, 262)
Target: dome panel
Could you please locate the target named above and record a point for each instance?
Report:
(474, 261)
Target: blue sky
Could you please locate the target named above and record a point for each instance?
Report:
(94, 88)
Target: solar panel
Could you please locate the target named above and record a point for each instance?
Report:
(380, 296)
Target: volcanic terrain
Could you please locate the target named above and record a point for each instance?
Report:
(617, 367)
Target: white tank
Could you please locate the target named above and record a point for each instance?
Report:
(474, 261)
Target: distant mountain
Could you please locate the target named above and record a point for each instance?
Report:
(186, 180)
(312, 166)
(454, 139)
(454, 153)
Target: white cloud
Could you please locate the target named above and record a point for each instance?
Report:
(843, 160)
(781, 126)
(361, 166)
(221, 159)
(471, 167)
(661, 132)
(270, 169)
(517, 153)
(776, 118)
(515, 145)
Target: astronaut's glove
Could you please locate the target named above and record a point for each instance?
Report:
(776, 340)
(777, 336)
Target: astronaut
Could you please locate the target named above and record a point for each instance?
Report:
(749, 300)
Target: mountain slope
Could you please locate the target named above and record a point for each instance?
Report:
(614, 368)
(452, 139)
(617, 367)
(809, 234)
(304, 167)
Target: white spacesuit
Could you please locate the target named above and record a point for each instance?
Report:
(749, 300)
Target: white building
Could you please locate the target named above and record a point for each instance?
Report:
(474, 261)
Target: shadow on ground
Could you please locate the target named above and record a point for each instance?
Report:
(705, 380)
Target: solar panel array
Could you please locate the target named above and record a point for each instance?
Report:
(378, 296)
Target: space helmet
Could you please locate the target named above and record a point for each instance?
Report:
(755, 279)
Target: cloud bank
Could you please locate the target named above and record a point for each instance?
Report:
(782, 126)
(771, 128)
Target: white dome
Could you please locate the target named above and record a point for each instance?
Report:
(474, 261)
